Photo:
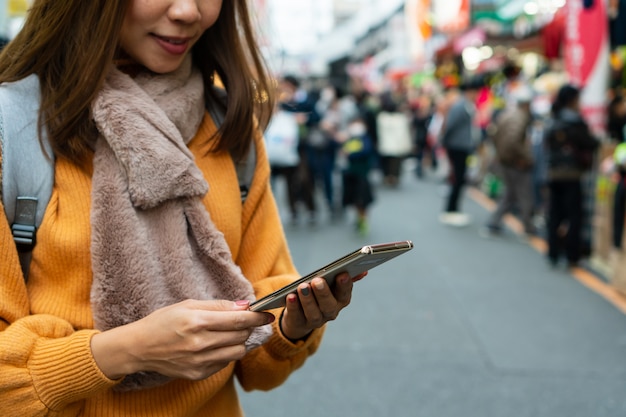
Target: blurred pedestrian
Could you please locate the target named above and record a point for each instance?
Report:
(514, 157)
(335, 108)
(435, 127)
(616, 123)
(420, 123)
(394, 137)
(368, 107)
(282, 138)
(358, 150)
(294, 101)
(460, 136)
(570, 150)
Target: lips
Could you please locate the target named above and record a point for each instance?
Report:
(173, 46)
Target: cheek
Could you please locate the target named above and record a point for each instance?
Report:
(210, 11)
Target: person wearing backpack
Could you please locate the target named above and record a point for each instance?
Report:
(570, 148)
(135, 299)
(514, 156)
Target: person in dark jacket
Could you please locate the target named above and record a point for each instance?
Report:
(358, 150)
(570, 150)
(459, 137)
(422, 116)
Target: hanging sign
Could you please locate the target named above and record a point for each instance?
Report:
(586, 33)
(587, 58)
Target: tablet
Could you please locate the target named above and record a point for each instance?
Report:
(354, 263)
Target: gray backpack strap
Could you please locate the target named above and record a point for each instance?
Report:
(245, 167)
(245, 172)
(27, 174)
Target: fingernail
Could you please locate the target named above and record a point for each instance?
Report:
(242, 303)
(305, 290)
(319, 284)
(270, 319)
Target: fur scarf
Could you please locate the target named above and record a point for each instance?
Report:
(153, 242)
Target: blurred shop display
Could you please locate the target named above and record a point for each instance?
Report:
(517, 18)
(12, 14)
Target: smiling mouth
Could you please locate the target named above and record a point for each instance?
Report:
(173, 46)
(173, 41)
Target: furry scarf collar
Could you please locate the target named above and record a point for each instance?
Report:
(153, 242)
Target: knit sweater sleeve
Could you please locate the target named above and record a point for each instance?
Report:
(45, 366)
(270, 268)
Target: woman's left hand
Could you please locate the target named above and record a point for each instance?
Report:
(315, 304)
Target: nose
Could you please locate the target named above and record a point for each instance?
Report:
(186, 11)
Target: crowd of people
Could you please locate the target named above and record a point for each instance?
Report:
(490, 131)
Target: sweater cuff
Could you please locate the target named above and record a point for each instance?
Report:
(64, 371)
(281, 347)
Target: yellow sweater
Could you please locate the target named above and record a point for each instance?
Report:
(46, 366)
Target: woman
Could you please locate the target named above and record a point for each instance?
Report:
(138, 292)
(569, 146)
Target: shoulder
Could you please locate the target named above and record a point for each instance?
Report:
(20, 89)
(458, 108)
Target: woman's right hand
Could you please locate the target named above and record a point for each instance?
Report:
(191, 340)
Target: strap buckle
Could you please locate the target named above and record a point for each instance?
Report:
(24, 227)
(243, 190)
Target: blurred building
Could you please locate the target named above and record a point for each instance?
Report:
(320, 38)
(380, 39)
(293, 29)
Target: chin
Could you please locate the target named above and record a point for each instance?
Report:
(162, 66)
(161, 69)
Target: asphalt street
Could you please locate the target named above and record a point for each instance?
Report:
(460, 327)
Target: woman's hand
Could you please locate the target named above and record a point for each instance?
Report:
(315, 304)
(190, 340)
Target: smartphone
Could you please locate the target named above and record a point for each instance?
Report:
(354, 263)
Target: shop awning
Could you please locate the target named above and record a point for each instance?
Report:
(511, 18)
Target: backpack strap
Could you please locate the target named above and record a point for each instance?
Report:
(246, 166)
(27, 168)
(245, 172)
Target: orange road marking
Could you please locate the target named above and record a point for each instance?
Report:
(595, 284)
(586, 278)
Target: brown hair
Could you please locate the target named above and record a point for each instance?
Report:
(240, 67)
(70, 44)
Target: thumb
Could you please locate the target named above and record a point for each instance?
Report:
(241, 305)
(219, 305)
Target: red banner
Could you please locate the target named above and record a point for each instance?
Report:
(586, 33)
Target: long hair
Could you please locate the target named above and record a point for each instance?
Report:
(238, 62)
(71, 44)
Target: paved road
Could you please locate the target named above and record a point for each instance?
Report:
(460, 327)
